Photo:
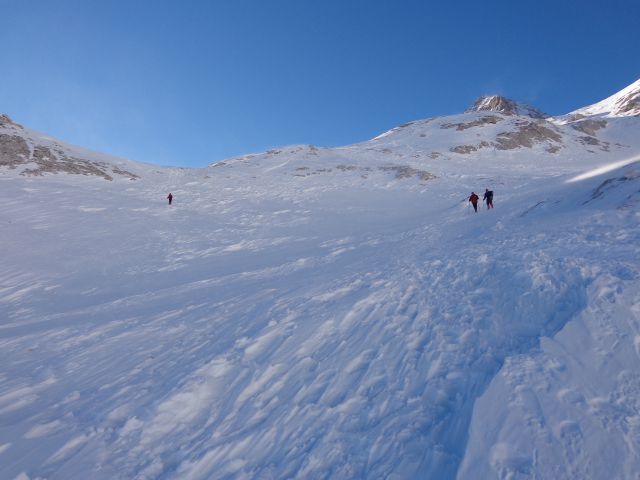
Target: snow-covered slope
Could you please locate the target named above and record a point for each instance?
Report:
(326, 313)
(34, 154)
(624, 103)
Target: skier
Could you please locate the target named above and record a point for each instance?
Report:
(474, 201)
(488, 196)
(170, 197)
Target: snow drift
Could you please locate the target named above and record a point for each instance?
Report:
(327, 312)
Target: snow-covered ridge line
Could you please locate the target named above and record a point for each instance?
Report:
(17, 144)
(624, 103)
(35, 154)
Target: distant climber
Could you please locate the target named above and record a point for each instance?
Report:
(170, 197)
(474, 201)
(488, 197)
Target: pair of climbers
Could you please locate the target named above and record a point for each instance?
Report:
(488, 197)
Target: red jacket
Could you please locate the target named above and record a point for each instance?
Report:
(474, 198)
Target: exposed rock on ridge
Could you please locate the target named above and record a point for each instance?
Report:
(18, 149)
(5, 121)
(497, 103)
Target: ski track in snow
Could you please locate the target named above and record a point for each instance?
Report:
(313, 331)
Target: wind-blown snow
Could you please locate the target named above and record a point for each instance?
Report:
(329, 313)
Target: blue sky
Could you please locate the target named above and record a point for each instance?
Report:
(193, 81)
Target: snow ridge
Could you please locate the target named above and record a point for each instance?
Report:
(624, 103)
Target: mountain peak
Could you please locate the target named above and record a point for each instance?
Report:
(506, 106)
(6, 120)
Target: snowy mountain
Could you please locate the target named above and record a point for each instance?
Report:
(36, 155)
(622, 104)
(328, 312)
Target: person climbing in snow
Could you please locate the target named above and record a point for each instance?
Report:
(170, 197)
(488, 197)
(474, 201)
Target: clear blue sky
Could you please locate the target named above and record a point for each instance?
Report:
(193, 81)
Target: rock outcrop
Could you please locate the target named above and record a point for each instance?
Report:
(506, 106)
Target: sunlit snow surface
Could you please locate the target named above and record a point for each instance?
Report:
(313, 314)
(596, 172)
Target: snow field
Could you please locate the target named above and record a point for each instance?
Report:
(343, 324)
